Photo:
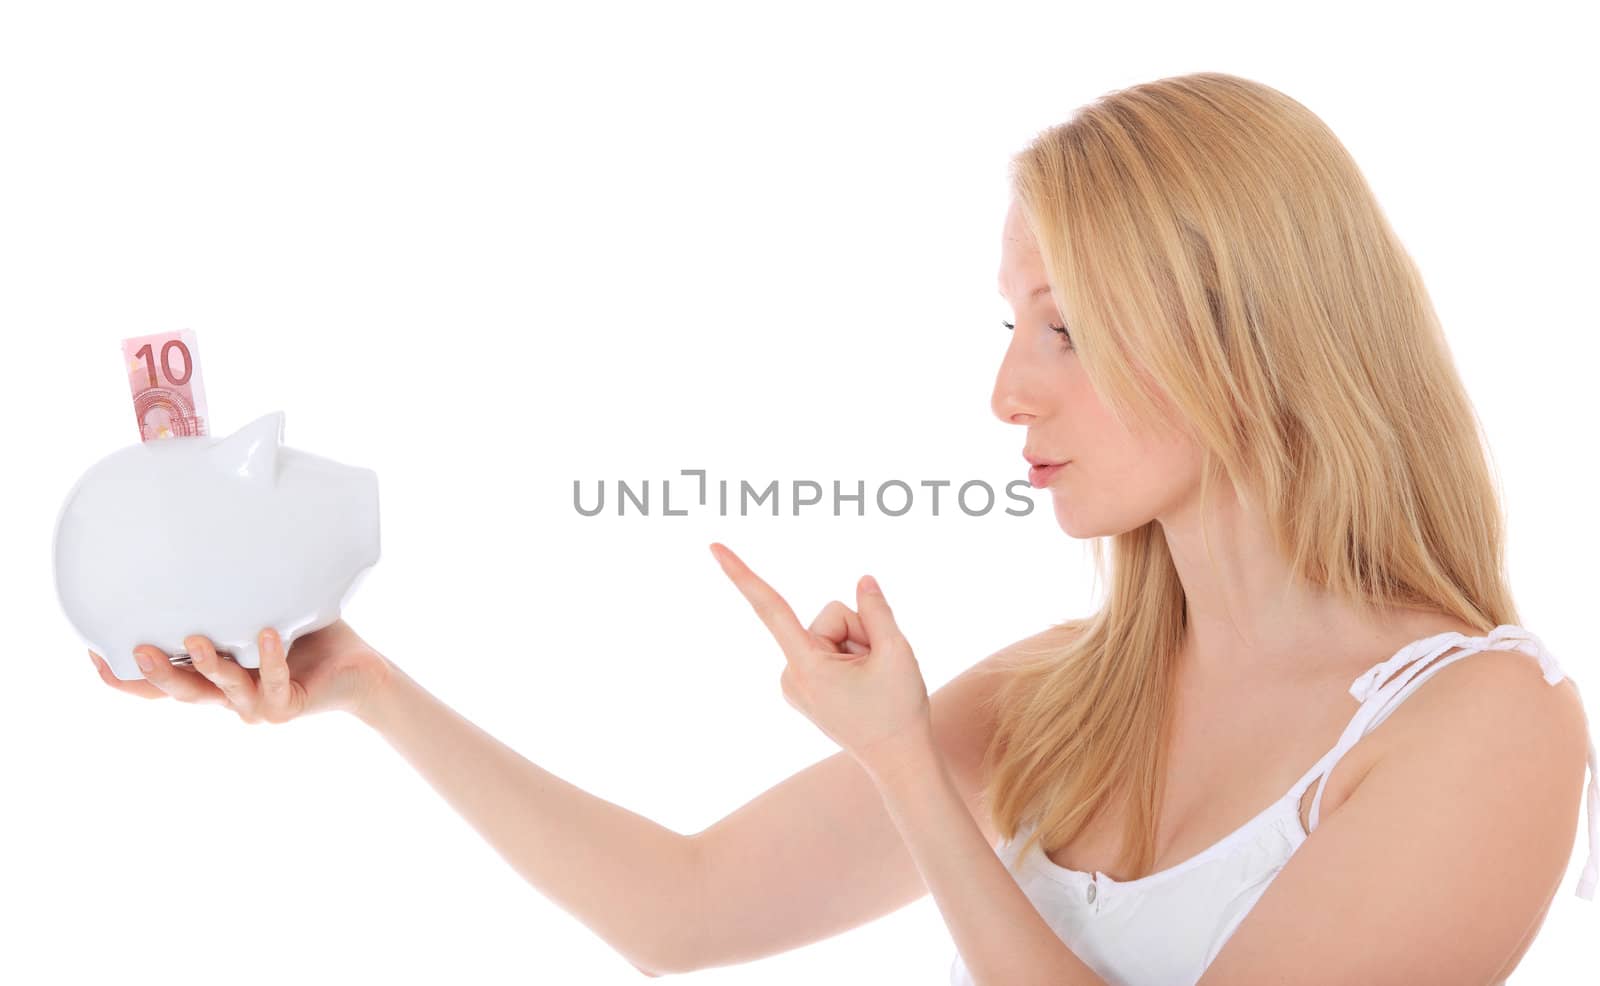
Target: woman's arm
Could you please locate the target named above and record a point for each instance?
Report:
(813, 856)
(816, 855)
(626, 877)
(1001, 937)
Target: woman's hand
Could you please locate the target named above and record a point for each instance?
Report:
(852, 673)
(330, 669)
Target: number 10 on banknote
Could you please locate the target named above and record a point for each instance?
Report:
(164, 373)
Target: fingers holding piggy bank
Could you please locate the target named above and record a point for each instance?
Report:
(331, 669)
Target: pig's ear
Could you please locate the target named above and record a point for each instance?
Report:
(252, 451)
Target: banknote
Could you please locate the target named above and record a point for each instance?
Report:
(168, 396)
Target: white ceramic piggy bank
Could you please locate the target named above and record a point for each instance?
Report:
(221, 537)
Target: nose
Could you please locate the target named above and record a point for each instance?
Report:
(1013, 400)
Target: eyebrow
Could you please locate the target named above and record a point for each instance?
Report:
(1045, 289)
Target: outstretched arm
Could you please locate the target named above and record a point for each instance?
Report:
(632, 881)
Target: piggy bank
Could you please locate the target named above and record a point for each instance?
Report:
(221, 537)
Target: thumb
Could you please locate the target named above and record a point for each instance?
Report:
(875, 613)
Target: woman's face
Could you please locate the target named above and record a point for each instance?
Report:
(1115, 480)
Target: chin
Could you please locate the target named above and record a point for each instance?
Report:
(1071, 522)
(1079, 526)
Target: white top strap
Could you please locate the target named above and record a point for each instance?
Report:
(1591, 869)
(1376, 695)
(1379, 699)
(1506, 636)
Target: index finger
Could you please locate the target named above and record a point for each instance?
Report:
(771, 607)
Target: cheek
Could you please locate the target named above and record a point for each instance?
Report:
(1098, 440)
(1120, 481)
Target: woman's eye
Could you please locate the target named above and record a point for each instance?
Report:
(1060, 330)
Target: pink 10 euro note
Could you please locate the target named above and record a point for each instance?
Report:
(164, 372)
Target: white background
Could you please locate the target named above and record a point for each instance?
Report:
(486, 250)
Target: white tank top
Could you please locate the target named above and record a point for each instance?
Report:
(1164, 929)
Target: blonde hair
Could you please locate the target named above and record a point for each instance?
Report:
(1226, 270)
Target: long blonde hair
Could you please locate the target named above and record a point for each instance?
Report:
(1226, 270)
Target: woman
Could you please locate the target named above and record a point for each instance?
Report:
(1227, 366)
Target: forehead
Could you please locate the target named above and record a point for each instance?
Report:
(1021, 266)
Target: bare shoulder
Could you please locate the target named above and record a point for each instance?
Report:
(969, 695)
(1470, 810)
(964, 711)
(1502, 692)
(1493, 713)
